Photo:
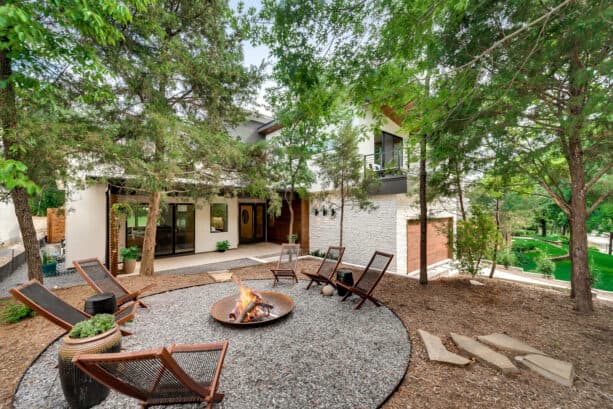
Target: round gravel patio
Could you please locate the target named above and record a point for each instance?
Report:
(323, 355)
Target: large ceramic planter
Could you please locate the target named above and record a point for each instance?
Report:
(129, 265)
(80, 390)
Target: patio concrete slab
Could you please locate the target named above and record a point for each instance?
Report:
(507, 343)
(484, 354)
(438, 352)
(221, 276)
(558, 371)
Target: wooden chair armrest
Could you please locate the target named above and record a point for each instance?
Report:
(287, 270)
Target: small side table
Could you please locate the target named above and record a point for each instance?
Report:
(104, 303)
(345, 277)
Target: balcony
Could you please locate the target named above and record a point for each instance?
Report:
(391, 169)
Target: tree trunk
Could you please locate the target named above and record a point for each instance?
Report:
(460, 193)
(610, 242)
(290, 204)
(495, 256)
(146, 262)
(423, 214)
(543, 227)
(8, 120)
(342, 214)
(570, 247)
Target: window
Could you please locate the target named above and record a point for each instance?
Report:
(219, 217)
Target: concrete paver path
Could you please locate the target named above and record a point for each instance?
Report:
(507, 343)
(558, 371)
(438, 352)
(484, 354)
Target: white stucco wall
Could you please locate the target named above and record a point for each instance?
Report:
(205, 240)
(9, 227)
(363, 232)
(86, 224)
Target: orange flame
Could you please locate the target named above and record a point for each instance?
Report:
(246, 297)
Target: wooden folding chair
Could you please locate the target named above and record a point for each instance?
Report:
(179, 374)
(44, 302)
(96, 275)
(369, 279)
(286, 266)
(327, 268)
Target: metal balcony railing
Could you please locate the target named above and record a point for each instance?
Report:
(391, 163)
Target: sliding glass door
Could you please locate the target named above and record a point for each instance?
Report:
(175, 232)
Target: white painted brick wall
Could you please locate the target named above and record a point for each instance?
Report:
(363, 233)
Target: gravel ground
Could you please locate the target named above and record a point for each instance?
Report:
(323, 355)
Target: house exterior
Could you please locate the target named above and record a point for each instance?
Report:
(9, 230)
(188, 226)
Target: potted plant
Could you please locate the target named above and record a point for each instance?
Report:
(129, 256)
(99, 334)
(49, 265)
(222, 245)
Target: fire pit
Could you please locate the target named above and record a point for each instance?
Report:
(250, 308)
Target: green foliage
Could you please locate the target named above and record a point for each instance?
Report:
(318, 253)
(222, 245)
(292, 238)
(475, 237)
(96, 325)
(15, 312)
(50, 198)
(543, 264)
(507, 258)
(48, 259)
(130, 253)
(14, 174)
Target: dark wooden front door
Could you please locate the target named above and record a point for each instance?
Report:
(252, 222)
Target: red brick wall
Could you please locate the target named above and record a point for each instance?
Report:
(438, 248)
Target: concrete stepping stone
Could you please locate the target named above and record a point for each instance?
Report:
(558, 371)
(477, 283)
(220, 276)
(484, 354)
(438, 352)
(507, 343)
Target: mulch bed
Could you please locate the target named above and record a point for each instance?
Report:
(540, 317)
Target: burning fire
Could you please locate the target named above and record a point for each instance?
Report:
(250, 305)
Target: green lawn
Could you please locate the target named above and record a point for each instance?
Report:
(601, 264)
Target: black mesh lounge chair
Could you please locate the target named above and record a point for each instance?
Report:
(369, 279)
(179, 374)
(95, 273)
(327, 268)
(56, 310)
(286, 266)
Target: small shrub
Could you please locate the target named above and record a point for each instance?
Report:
(222, 245)
(293, 238)
(475, 238)
(96, 325)
(507, 258)
(318, 253)
(15, 312)
(523, 246)
(544, 265)
(130, 253)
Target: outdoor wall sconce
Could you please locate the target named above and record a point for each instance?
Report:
(315, 211)
(324, 211)
(333, 212)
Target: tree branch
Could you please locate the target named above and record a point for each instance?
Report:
(599, 201)
(596, 178)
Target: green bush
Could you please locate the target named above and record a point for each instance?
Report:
(521, 247)
(130, 253)
(507, 258)
(475, 238)
(318, 253)
(222, 245)
(15, 312)
(543, 264)
(96, 325)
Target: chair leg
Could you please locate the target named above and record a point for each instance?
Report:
(310, 284)
(357, 307)
(142, 304)
(346, 296)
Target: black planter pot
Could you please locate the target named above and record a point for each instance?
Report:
(80, 390)
(345, 277)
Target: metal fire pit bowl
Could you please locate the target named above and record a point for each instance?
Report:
(283, 305)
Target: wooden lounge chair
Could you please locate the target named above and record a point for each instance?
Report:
(286, 266)
(179, 374)
(95, 273)
(369, 279)
(56, 310)
(327, 268)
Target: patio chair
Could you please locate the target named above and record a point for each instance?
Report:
(56, 310)
(179, 374)
(369, 279)
(96, 275)
(327, 268)
(286, 266)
